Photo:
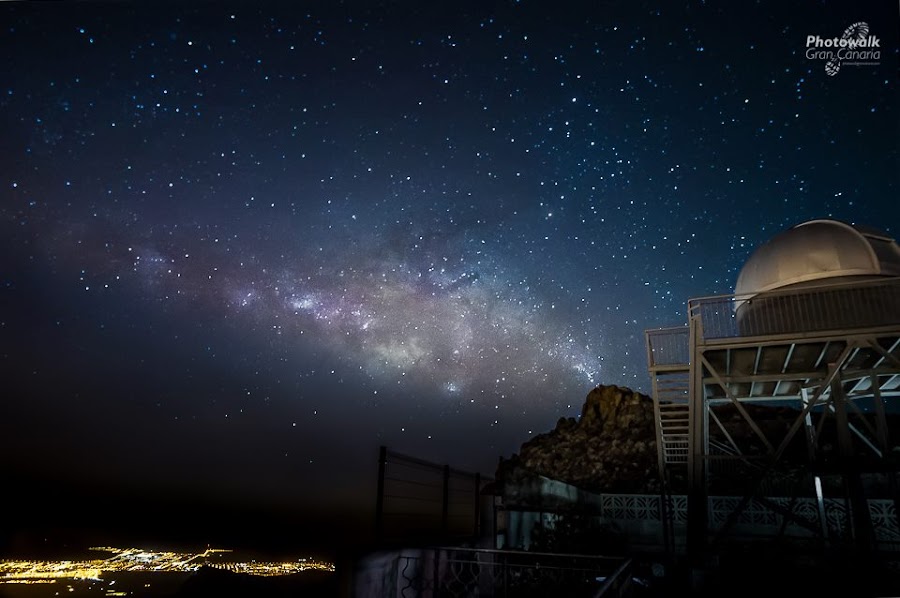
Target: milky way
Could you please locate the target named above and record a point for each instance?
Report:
(454, 322)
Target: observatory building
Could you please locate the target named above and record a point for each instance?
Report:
(819, 254)
(773, 405)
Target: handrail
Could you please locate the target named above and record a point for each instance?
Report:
(793, 290)
(668, 346)
(841, 306)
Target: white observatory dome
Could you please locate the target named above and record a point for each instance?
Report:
(818, 250)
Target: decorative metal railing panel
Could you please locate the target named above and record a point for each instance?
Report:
(624, 508)
(808, 510)
(678, 509)
(638, 517)
(755, 514)
(761, 518)
(630, 507)
(884, 520)
(836, 517)
(757, 517)
(467, 572)
(883, 514)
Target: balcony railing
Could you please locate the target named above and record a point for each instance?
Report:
(812, 309)
(668, 346)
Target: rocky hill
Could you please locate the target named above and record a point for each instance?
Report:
(610, 448)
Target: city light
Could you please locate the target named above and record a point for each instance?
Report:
(140, 559)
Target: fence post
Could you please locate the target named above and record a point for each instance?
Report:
(477, 520)
(445, 505)
(379, 499)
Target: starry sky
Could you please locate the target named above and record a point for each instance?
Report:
(245, 244)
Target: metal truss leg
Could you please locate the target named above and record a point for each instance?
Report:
(860, 520)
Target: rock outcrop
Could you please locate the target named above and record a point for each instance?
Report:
(611, 448)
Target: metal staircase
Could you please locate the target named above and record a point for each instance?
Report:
(668, 352)
(672, 432)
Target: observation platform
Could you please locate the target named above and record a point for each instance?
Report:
(824, 359)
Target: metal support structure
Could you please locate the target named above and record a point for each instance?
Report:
(698, 516)
(858, 507)
(811, 453)
(826, 374)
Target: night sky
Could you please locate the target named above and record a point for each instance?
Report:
(243, 245)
